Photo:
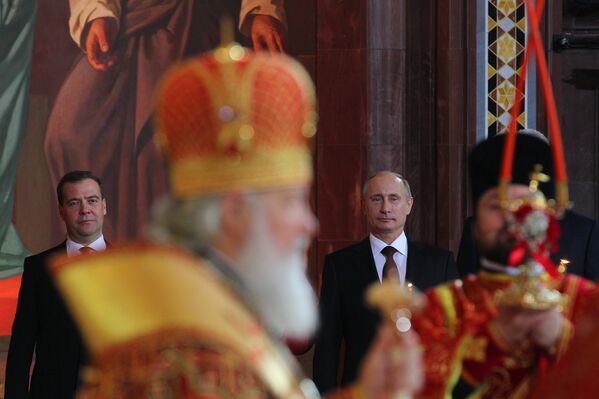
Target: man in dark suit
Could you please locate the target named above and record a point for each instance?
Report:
(345, 317)
(42, 321)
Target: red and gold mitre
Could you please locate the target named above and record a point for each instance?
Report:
(232, 119)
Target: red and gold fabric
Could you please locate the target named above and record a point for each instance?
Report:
(575, 374)
(459, 344)
(161, 323)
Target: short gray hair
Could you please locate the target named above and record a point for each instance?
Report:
(387, 173)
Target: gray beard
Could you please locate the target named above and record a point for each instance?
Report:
(277, 283)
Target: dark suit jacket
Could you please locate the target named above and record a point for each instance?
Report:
(344, 314)
(578, 242)
(42, 321)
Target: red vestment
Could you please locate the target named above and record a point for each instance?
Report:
(460, 348)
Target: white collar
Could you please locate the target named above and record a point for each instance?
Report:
(400, 244)
(74, 247)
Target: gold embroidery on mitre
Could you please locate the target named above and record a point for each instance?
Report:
(228, 124)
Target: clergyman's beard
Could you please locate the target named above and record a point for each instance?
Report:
(278, 284)
(499, 251)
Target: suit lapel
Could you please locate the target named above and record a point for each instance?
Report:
(412, 264)
(60, 249)
(363, 262)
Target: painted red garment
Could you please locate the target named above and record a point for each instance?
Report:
(9, 292)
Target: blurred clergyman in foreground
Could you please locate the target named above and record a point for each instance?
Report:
(575, 375)
(495, 333)
(206, 321)
(578, 245)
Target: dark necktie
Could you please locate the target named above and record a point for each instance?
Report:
(390, 268)
(86, 250)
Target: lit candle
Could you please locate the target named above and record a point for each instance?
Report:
(563, 265)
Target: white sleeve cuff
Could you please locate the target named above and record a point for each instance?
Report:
(85, 11)
(273, 8)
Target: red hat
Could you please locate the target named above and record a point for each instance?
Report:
(232, 119)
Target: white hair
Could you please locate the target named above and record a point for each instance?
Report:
(277, 281)
(187, 222)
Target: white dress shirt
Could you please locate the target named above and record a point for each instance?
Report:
(400, 257)
(74, 247)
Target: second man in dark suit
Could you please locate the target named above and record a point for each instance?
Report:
(345, 317)
(42, 321)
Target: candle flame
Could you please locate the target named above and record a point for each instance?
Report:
(563, 265)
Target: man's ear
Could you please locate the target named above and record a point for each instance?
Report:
(410, 202)
(61, 211)
(235, 215)
(235, 223)
(104, 206)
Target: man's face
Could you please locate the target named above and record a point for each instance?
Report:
(386, 206)
(273, 260)
(83, 210)
(490, 229)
